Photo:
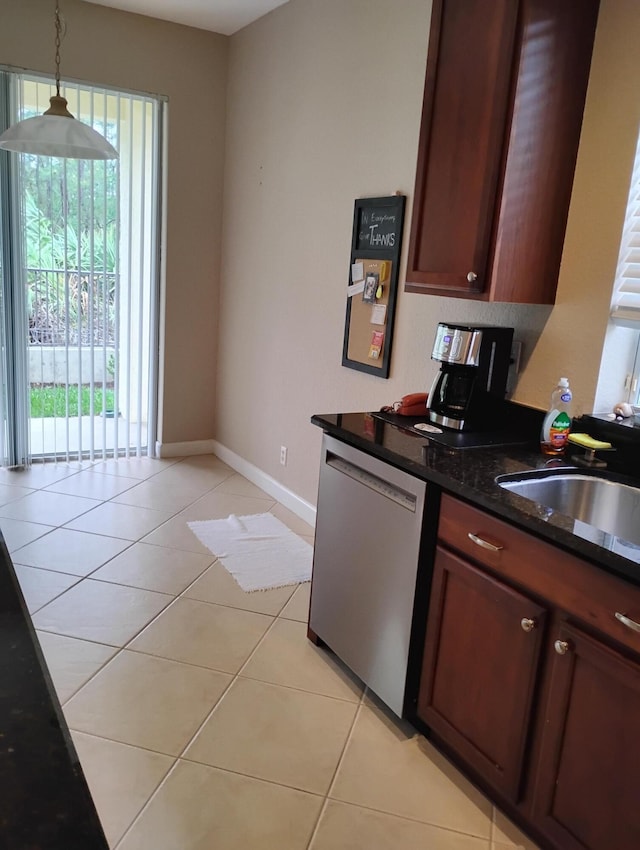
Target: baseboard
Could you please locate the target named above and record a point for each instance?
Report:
(305, 510)
(195, 447)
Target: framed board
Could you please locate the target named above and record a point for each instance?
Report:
(373, 283)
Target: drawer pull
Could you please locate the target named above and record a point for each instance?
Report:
(561, 647)
(528, 625)
(484, 543)
(626, 621)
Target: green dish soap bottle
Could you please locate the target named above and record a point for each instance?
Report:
(557, 422)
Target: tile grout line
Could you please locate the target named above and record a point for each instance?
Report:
(99, 502)
(126, 646)
(446, 829)
(131, 544)
(125, 744)
(153, 794)
(102, 666)
(91, 677)
(235, 677)
(327, 796)
(318, 821)
(180, 757)
(344, 748)
(121, 649)
(53, 598)
(169, 605)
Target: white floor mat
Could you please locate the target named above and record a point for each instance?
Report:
(258, 550)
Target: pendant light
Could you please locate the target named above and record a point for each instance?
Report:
(57, 132)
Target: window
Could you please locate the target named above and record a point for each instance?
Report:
(619, 378)
(625, 304)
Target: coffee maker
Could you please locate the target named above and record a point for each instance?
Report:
(470, 387)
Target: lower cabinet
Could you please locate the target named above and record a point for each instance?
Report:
(531, 678)
(483, 648)
(587, 774)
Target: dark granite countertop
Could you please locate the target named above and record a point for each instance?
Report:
(45, 802)
(470, 473)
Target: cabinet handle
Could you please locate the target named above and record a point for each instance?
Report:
(561, 647)
(472, 277)
(528, 625)
(484, 543)
(626, 621)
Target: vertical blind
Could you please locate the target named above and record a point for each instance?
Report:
(90, 274)
(625, 302)
(14, 438)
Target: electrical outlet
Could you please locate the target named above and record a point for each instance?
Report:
(283, 455)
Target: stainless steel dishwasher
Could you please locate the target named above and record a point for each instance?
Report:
(367, 544)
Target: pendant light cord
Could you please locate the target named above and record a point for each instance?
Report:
(58, 104)
(58, 41)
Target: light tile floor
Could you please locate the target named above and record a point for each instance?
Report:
(202, 715)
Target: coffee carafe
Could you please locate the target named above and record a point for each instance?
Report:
(469, 389)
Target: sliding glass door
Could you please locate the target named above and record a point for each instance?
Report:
(79, 271)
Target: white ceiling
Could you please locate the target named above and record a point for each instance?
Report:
(222, 16)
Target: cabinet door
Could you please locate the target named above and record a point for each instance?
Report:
(551, 74)
(587, 787)
(461, 142)
(504, 94)
(479, 670)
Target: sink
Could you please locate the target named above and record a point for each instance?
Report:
(599, 499)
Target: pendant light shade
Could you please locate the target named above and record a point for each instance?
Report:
(57, 132)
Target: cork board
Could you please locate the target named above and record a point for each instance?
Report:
(368, 325)
(373, 283)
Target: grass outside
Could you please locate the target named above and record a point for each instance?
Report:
(47, 402)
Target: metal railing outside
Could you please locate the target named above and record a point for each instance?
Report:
(71, 308)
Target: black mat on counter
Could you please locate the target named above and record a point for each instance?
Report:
(457, 439)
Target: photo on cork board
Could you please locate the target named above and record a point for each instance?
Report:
(371, 283)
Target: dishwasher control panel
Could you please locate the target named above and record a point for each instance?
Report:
(384, 488)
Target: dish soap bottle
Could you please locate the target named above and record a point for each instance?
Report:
(557, 422)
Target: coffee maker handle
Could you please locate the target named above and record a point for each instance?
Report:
(433, 392)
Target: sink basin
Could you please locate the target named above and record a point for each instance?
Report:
(607, 503)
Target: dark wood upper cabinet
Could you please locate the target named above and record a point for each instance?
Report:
(504, 95)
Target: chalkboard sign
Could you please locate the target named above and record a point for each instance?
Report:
(373, 282)
(378, 227)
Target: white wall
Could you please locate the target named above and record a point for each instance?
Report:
(324, 105)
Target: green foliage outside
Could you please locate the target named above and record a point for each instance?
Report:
(71, 245)
(53, 243)
(71, 212)
(48, 402)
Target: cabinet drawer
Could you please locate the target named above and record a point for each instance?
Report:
(575, 586)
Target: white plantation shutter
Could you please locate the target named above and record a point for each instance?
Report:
(625, 302)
